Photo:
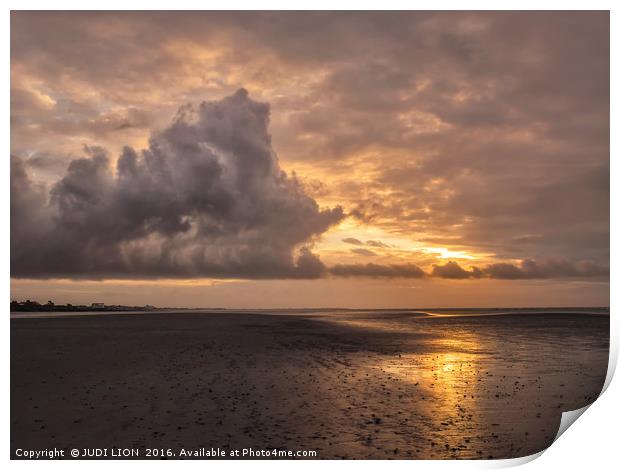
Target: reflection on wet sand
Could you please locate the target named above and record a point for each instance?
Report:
(348, 384)
(446, 379)
(492, 387)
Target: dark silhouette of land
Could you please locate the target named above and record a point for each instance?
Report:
(33, 306)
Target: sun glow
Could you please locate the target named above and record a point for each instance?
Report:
(445, 253)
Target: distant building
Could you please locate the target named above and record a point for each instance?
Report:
(97, 305)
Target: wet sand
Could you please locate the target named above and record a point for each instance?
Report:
(346, 384)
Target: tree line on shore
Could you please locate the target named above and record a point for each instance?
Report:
(34, 306)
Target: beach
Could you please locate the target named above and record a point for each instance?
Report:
(346, 384)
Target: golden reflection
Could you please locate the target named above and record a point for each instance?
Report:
(448, 365)
(446, 375)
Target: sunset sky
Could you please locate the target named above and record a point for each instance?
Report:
(255, 160)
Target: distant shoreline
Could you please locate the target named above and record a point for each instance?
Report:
(438, 312)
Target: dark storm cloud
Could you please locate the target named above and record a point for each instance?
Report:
(28, 216)
(207, 198)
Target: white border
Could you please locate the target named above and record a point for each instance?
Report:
(591, 443)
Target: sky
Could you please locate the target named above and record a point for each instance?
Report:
(310, 159)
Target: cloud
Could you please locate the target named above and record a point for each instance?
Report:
(411, 119)
(207, 198)
(352, 241)
(377, 244)
(546, 269)
(452, 270)
(363, 252)
(355, 241)
(28, 216)
(377, 270)
(526, 269)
